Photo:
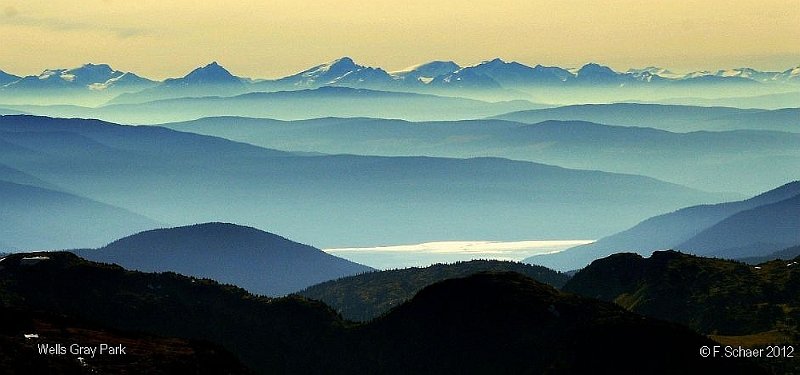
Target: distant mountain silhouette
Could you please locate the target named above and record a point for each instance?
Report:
(493, 79)
(260, 262)
(673, 229)
(678, 118)
(718, 159)
(597, 74)
(755, 232)
(340, 72)
(486, 323)
(425, 73)
(782, 119)
(6, 111)
(765, 101)
(466, 79)
(209, 80)
(498, 73)
(178, 178)
(785, 254)
(295, 104)
(8, 174)
(366, 296)
(38, 218)
(211, 74)
(85, 77)
(87, 84)
(6, 78)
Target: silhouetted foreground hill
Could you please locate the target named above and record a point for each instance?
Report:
(736, 303)
(144, 353)
(261, 262)
(364, 297)
(269, 335)
(505, 323)
(486, 323)
(711, 295)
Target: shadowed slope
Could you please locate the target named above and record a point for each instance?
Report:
(260, 262)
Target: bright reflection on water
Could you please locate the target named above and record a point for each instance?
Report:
(425, 254)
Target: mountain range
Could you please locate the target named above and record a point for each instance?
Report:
(492, 78)
(260, 262)
(177, 178)
(209, 80)
(676, 118)
(718, 158)
(291, 105)
(92, 83)
(484, 323)
(39, 218)
(755, 227)
(6, 78)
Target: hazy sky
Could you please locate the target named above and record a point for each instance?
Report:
(265, 39)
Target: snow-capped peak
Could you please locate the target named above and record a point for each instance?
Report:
(337, 67)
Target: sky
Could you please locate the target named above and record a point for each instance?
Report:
(269, 39)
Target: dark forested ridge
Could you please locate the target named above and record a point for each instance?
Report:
(713, 296)
(485, 323)
(260, 331)
(753, 306)
(364, 297)
(144, 353)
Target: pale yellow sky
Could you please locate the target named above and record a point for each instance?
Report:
(267, 39)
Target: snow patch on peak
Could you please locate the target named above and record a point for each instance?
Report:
(654, 71)
(427, 72)
(50, 72)
(697, 74)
